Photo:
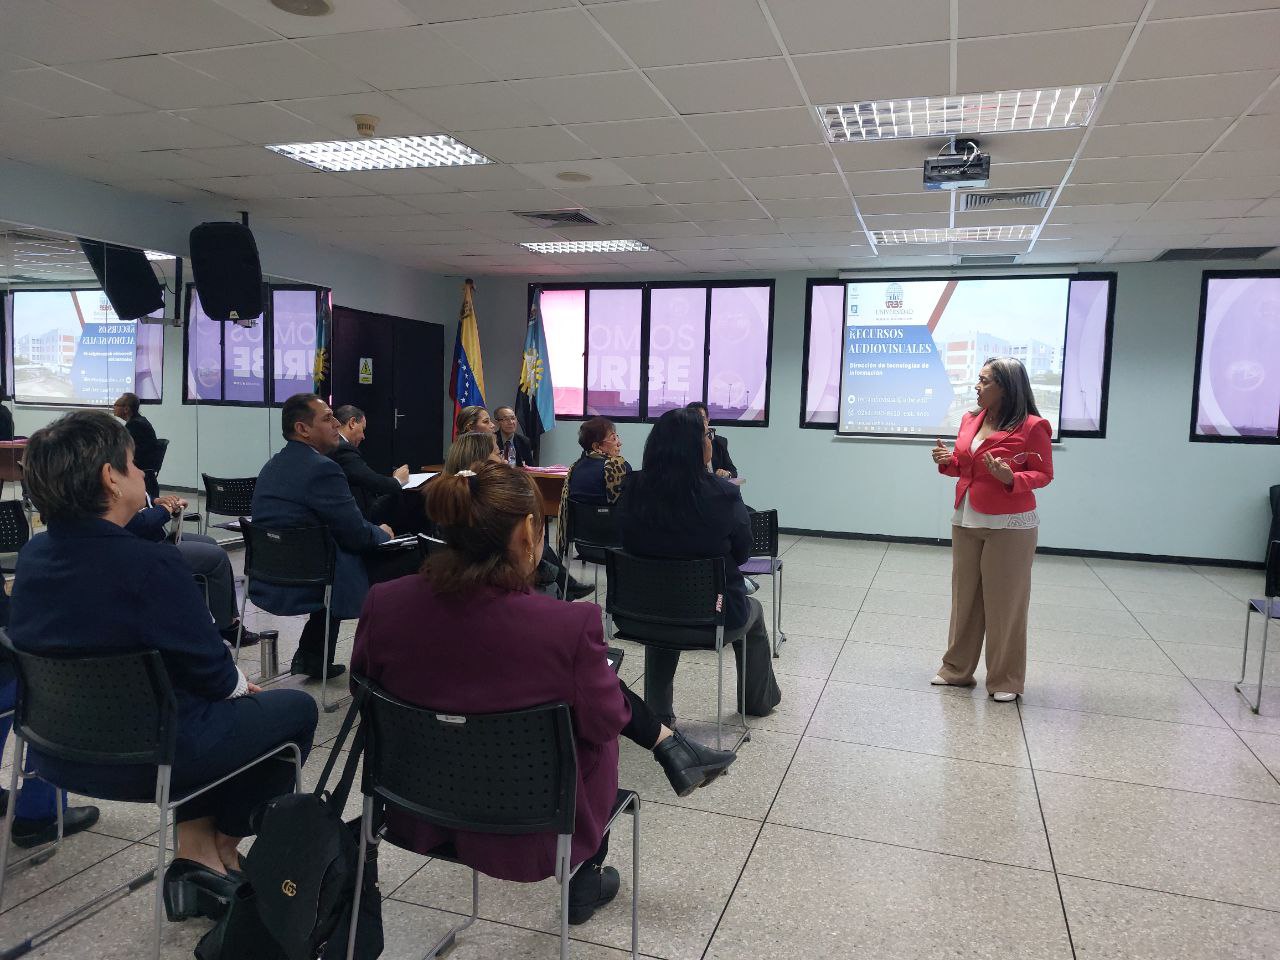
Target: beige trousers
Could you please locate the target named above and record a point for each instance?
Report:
(990, 593)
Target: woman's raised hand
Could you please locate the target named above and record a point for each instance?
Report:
(941, 454)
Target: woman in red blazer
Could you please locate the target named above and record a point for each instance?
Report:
(468, 635)
(1001, 455)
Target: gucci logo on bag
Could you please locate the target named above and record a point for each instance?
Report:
(289, 888)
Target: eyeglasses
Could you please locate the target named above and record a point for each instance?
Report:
(710, 434)
(1021, 458)
(510, 419)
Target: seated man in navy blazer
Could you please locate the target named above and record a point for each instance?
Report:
(300, 486)
(375, 494)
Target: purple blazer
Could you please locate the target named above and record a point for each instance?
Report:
(490, 652)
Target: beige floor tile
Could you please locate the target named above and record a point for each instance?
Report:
(1136, 654)
(1266, 747)
(1062, 595)
(1119, 693)
(76, 854)
(898, 630)
(1178, 628)
(933, 561)
(905, 603)
(956, 726)
(1113, 922)
(1240, 583)
(695, 700)
(806, 896)
(1229, 705)
(689, 862)
(1207, 661)
(978, 810)
(803, 656)
(1169, 840)
(907, 668)
(1063, 571)
(1218, 605)
(934, 584)
(802, 592)
(810, 621)
(848, 576)
(1205, 759)
(1107, 623)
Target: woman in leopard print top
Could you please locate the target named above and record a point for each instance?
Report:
(598, 475)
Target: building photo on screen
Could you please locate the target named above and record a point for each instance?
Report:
(912, 349)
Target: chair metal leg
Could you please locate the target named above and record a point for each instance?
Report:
(635, 877)
(366, 824)
(448, 939)
(1262, 659)
(782, 637)
(163, 776)
(777, 615)
(324, 655)
(1255, 706)
(18, 751)
(565, 874)
(244, 602)
(719, 686)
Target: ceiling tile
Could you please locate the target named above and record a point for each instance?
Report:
(529, 145)
(621, 195)
(993, 18)
(740, 228)
(1199, 209)
(827, 225)
(601, 96)
(257, 123)
(1234, 188)
(809, 207)
(603, 173)
(544, 44)
(1161, 242)
(1248, 163)
(63, 95)
(1270, 103)
(1016, 176)
(273, 71)
(431, 202)
(783, 127)
(474, 106)
(167, 26)
(814, 26)
(778, 161)
(491, 176)
(932, 202)
(885, 181)
(667, 32)
(1129, 169)
(312, 183)
(678, 168)
(915, 71)
(663, 231)
(1028, 61)
(884, 154)
(1170, 9)
(637, 138)
(127, 132)
(165, 164)
(48, 34)
(1132, 192)
(11, 61)
(1204, 45)
(717, 87)
(1095, 233)
(1253, 133)
(1032, 146)
(789, 188)
(724, 210)
(401, 59)
(999, 218)
(639, 216)
(1101, 212)
(699, 191)
(241, 161)
(343, 18)
(1183, 98)
(160, 82)
(334, 115)
(1140, 139)
(396, 183)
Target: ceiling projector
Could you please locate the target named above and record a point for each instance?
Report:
(964, 168)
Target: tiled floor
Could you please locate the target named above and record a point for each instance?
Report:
(1127, 807)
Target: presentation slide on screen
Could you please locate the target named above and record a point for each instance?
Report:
(70, 347)
(912, 349)
(1240, 358)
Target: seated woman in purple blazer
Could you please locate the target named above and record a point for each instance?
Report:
(497, 645)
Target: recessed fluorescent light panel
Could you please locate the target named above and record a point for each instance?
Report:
(158, 255)
(954, 234)
(382, 153)
(1054, 108)
(589, 246)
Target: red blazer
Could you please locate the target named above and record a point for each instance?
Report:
(986, 493)
(487, 653)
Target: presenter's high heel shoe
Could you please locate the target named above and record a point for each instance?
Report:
(193, 890)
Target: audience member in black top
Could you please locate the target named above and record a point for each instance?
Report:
(513, 446)
(6, 423)
(596, 477)
(674, 508)
(374, 494)
(70, 599)
(147, 452)
(721, 463)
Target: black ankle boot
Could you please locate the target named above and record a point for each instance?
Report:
(689, 764)
(589, 890)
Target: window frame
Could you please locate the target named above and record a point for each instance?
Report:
(1205, 277)
(1113, 281)
(806, 424)
(646, 289)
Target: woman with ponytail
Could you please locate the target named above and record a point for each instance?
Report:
(470, 635)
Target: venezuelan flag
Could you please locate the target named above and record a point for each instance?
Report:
(466, 382)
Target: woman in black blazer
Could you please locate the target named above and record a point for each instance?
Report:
(133, 594)
(674, 508)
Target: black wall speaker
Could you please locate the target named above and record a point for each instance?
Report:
(126, 277)
(224, 257)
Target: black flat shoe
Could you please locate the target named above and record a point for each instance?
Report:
(689, 764)
(312, 670)
(193, 890)
(247, 639)
(589, 890)
(35, 833)
(578, 590)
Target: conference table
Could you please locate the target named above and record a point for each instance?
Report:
(549, 482)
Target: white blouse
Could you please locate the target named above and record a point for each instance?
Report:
(966, 516)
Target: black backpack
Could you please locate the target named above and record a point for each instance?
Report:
(302, 866)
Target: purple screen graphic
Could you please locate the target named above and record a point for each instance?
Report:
(613, 353)
(293, 355)
(1085, 355)
(564, 314)
(1239, 390)
(822, 396)
(738, 368)
(223, 364)
(677, 334)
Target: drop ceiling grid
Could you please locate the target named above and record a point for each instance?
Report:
(192, 128)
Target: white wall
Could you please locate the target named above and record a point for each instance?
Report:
(1144, 489)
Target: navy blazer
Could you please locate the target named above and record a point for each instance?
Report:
(146, 448)
(149, 523)
(300, 487)
(367, 485)
(523, 451)
(91, 586)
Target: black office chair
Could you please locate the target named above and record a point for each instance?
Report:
(111, 710)
(14, 530)
(765, 562)
(505, 773)
(1269, 606)
(294, 557)
(674, 605)
(590, 529)
(226, 497)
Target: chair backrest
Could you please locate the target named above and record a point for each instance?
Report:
(14, 530)
(11, 462)
(507, 773)
(663, 602)
(290, 557)
(162, 447)
(592, 527)
(1272, 587)
(764, 533)
(229, 496)
(106, 709)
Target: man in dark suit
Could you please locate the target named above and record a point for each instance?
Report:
(374, 494)
(721, 463)
(301, 486)
(513, 446)
(147, 450)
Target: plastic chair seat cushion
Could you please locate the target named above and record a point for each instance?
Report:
(764, 566)
(667, 636)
